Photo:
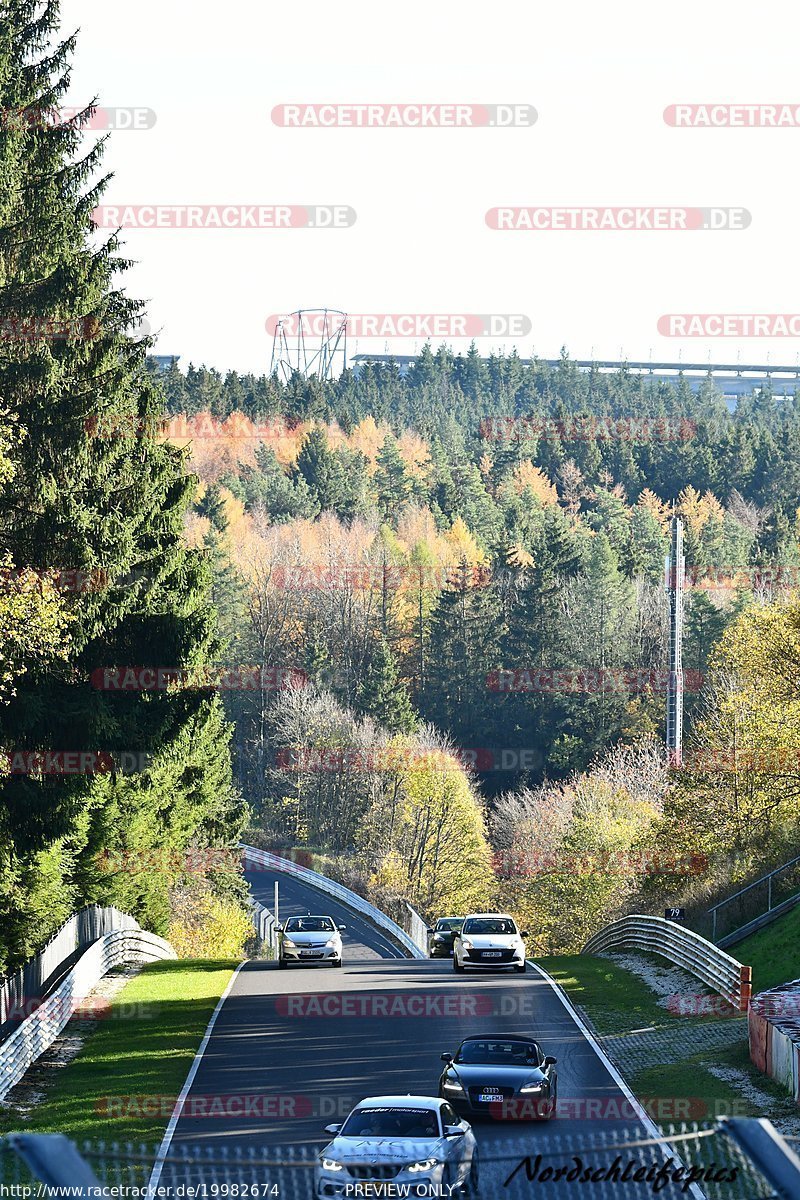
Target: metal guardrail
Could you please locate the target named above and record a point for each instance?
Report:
(38, 1031)
(32, 980)
(417, 929)
(683, 947)
(264, 923)
(264, 858)
(768, 879)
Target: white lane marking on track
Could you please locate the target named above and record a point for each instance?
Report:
(646, 1120)
(163, 1149)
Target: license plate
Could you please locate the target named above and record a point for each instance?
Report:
(489, 1098)
(492, 953)
(308, 953)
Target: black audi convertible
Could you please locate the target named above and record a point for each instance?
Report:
(505, 1077)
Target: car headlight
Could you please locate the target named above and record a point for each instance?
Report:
(331, 945)
(452, 1085)
(427, 1165)
(437, 937)
(531, 1088)
(330, 1164)
(466, 943)
(288, 942)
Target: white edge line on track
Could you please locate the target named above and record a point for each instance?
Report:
(643, 1115)
(163, 1149)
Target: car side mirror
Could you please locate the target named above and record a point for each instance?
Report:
(550, 1061)
(332, 1129)
(342, 927)
(453, 1131)
(524, 933)
(446, 1057)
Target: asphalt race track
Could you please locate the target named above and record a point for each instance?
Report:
(294, 1050)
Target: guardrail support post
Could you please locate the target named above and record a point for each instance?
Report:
(54, 1160)
(765, 1147)
(745, 988)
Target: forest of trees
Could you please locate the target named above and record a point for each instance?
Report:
(473, 604)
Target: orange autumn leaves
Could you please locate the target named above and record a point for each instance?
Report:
(220, 445)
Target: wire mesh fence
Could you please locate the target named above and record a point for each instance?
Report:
(689, 1160)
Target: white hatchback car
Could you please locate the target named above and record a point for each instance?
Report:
(399, 1146)
(310, 939)
(489, 940)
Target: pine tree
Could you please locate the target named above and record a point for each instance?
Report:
(391, 479)
(382, 693)
(212, 505)
(96, 491)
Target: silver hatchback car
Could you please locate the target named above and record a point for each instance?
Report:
(310, 939)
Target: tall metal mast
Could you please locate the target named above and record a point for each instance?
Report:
(676, 573)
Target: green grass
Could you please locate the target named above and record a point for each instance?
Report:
(773, 952)
(688, 1091)
(143, 1048)
(616, 1000)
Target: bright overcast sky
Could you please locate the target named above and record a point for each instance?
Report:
(599, 77)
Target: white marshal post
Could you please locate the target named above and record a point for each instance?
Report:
(676, 574)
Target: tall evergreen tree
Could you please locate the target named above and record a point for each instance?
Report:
(383, 694)
(96, 491)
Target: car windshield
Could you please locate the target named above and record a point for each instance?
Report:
(489, 925)
(309, 925)
(510, 1053)
(391, 1123)
(449, 924)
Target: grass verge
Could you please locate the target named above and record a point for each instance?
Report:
(773, 952)
(618, 1001)
(141, 1050)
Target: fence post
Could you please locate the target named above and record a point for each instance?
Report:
(765, 1147)
(745, 988)
(54, 1160)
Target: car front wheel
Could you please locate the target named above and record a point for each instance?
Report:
(520, 968)
(457, 966)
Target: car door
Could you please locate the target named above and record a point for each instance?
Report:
(459, 1150)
